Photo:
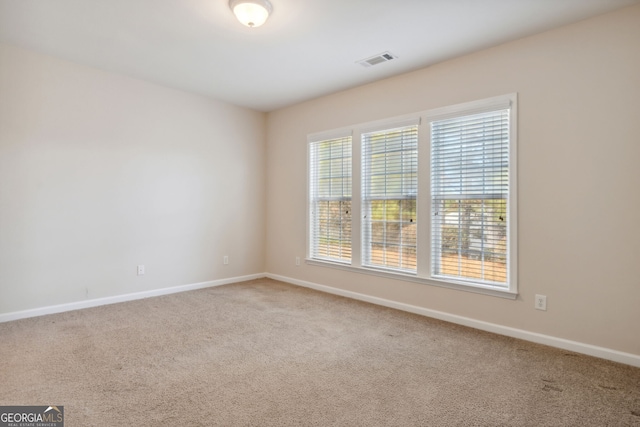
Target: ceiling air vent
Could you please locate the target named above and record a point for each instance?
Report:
(378, 59)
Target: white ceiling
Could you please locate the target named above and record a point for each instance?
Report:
(306, 49)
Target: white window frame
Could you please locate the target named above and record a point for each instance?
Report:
(312, 199)
(423, 203)
(367, 197)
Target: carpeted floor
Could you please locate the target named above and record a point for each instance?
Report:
(265, 353)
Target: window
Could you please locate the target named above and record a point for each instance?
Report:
(330, 199)
(390, 186)
(437, 198)
(469, 197)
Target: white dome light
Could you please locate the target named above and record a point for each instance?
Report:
(251, 13)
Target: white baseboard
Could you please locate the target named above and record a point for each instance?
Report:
(7, 317)
(578, 347)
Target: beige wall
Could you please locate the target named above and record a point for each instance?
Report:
(100, 172)
(579, 154)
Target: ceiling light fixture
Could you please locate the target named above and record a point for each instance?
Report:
(251, 13)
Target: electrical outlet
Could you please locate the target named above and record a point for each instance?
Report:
(225, 259)
(541, 302)
(141, 270)
(298, 261)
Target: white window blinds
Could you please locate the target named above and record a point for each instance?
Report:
(469, 197)
(389, 187)
(330, 199)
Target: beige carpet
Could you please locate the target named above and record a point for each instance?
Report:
(264, 353)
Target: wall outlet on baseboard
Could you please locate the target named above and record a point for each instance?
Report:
(141, 270)
(225, 259)
(298, 261)
(541, 302)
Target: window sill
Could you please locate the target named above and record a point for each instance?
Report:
(460, 286)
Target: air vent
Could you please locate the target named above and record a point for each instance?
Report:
(378, 59)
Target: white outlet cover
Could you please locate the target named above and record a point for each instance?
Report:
(541, 302)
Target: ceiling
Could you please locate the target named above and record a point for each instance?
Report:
(307, 48)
